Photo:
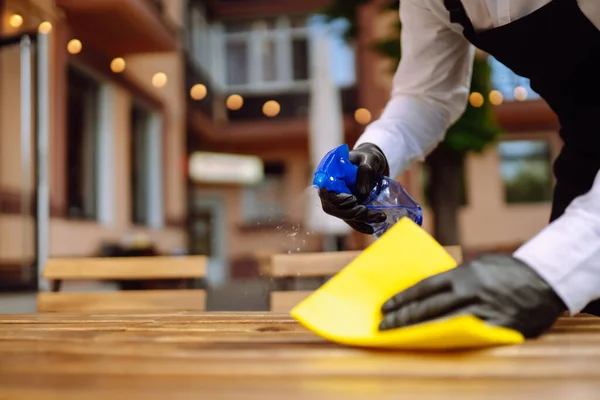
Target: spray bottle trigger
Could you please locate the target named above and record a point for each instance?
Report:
(335, 172)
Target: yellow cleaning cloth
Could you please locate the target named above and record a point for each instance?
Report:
(347, 308)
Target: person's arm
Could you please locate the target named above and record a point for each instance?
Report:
(430, 92)
(567, 252)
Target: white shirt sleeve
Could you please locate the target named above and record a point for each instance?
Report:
(567, 252)
(430, 91)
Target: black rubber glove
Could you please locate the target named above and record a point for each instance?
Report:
(372, 165)
(498, 289)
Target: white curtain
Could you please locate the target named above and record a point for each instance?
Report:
(326, 131)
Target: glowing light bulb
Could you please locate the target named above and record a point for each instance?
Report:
(496, 98)
(45, 28)
(198, 91)
(271, 108)
(74, 46)
(15, 20)
(520, 93)
(476, 99)
(235, 102)
(118, 65)
(159, 79)
(362, 116)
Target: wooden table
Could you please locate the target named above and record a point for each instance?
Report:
(269, 356)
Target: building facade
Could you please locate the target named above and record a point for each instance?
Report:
(138, 88)
(116, 130)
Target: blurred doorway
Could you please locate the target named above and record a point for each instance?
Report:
(207, 235)
(202, 228)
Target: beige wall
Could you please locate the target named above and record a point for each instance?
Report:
(174, 11)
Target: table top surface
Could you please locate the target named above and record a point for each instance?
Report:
(264, 356)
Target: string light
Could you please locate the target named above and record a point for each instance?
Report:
(74, 46)
(235, 102)
(520, 93)
(496, 98)
(198, 91)
(45, 28)
(15, 21)
(362, 116)
(159, 79)
(271, 108)
(118, 65)
(476, 99)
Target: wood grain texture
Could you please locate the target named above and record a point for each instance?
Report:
(283, 302)
(128, 300)
(308, 265)
(161, 267)
(192, 355)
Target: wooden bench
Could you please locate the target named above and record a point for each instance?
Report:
(312, 265)
(124, 268)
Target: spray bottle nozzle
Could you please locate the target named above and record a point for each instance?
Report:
(335, 172)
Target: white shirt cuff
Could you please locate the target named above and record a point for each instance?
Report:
(566, 255)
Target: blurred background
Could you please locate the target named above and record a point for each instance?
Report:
(194, 126)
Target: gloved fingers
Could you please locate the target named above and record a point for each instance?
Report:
(357, 157)
(361, 227)
(365, 214)
(417, 312)
(342, 213)
(357, 213)
(337, 200)
(345, 206)
(433, 285)
(365, 180)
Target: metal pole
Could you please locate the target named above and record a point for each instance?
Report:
(42, 138)
(25, 46)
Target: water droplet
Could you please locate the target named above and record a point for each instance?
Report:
(293, 234)
(289, 252)
(298, 249)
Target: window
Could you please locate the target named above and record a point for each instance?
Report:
(146, 179)
(265, 202)
(82, 140)
(274, 54)
(506, 81)
(138, 147)
(526, 171)
(199, 36)
(266, 53)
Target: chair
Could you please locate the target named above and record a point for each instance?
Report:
(312, 265)
(58, 270)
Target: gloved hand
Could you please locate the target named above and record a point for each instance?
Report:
(372, 165)
(498, 289)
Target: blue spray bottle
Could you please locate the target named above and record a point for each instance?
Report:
(337, 174)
